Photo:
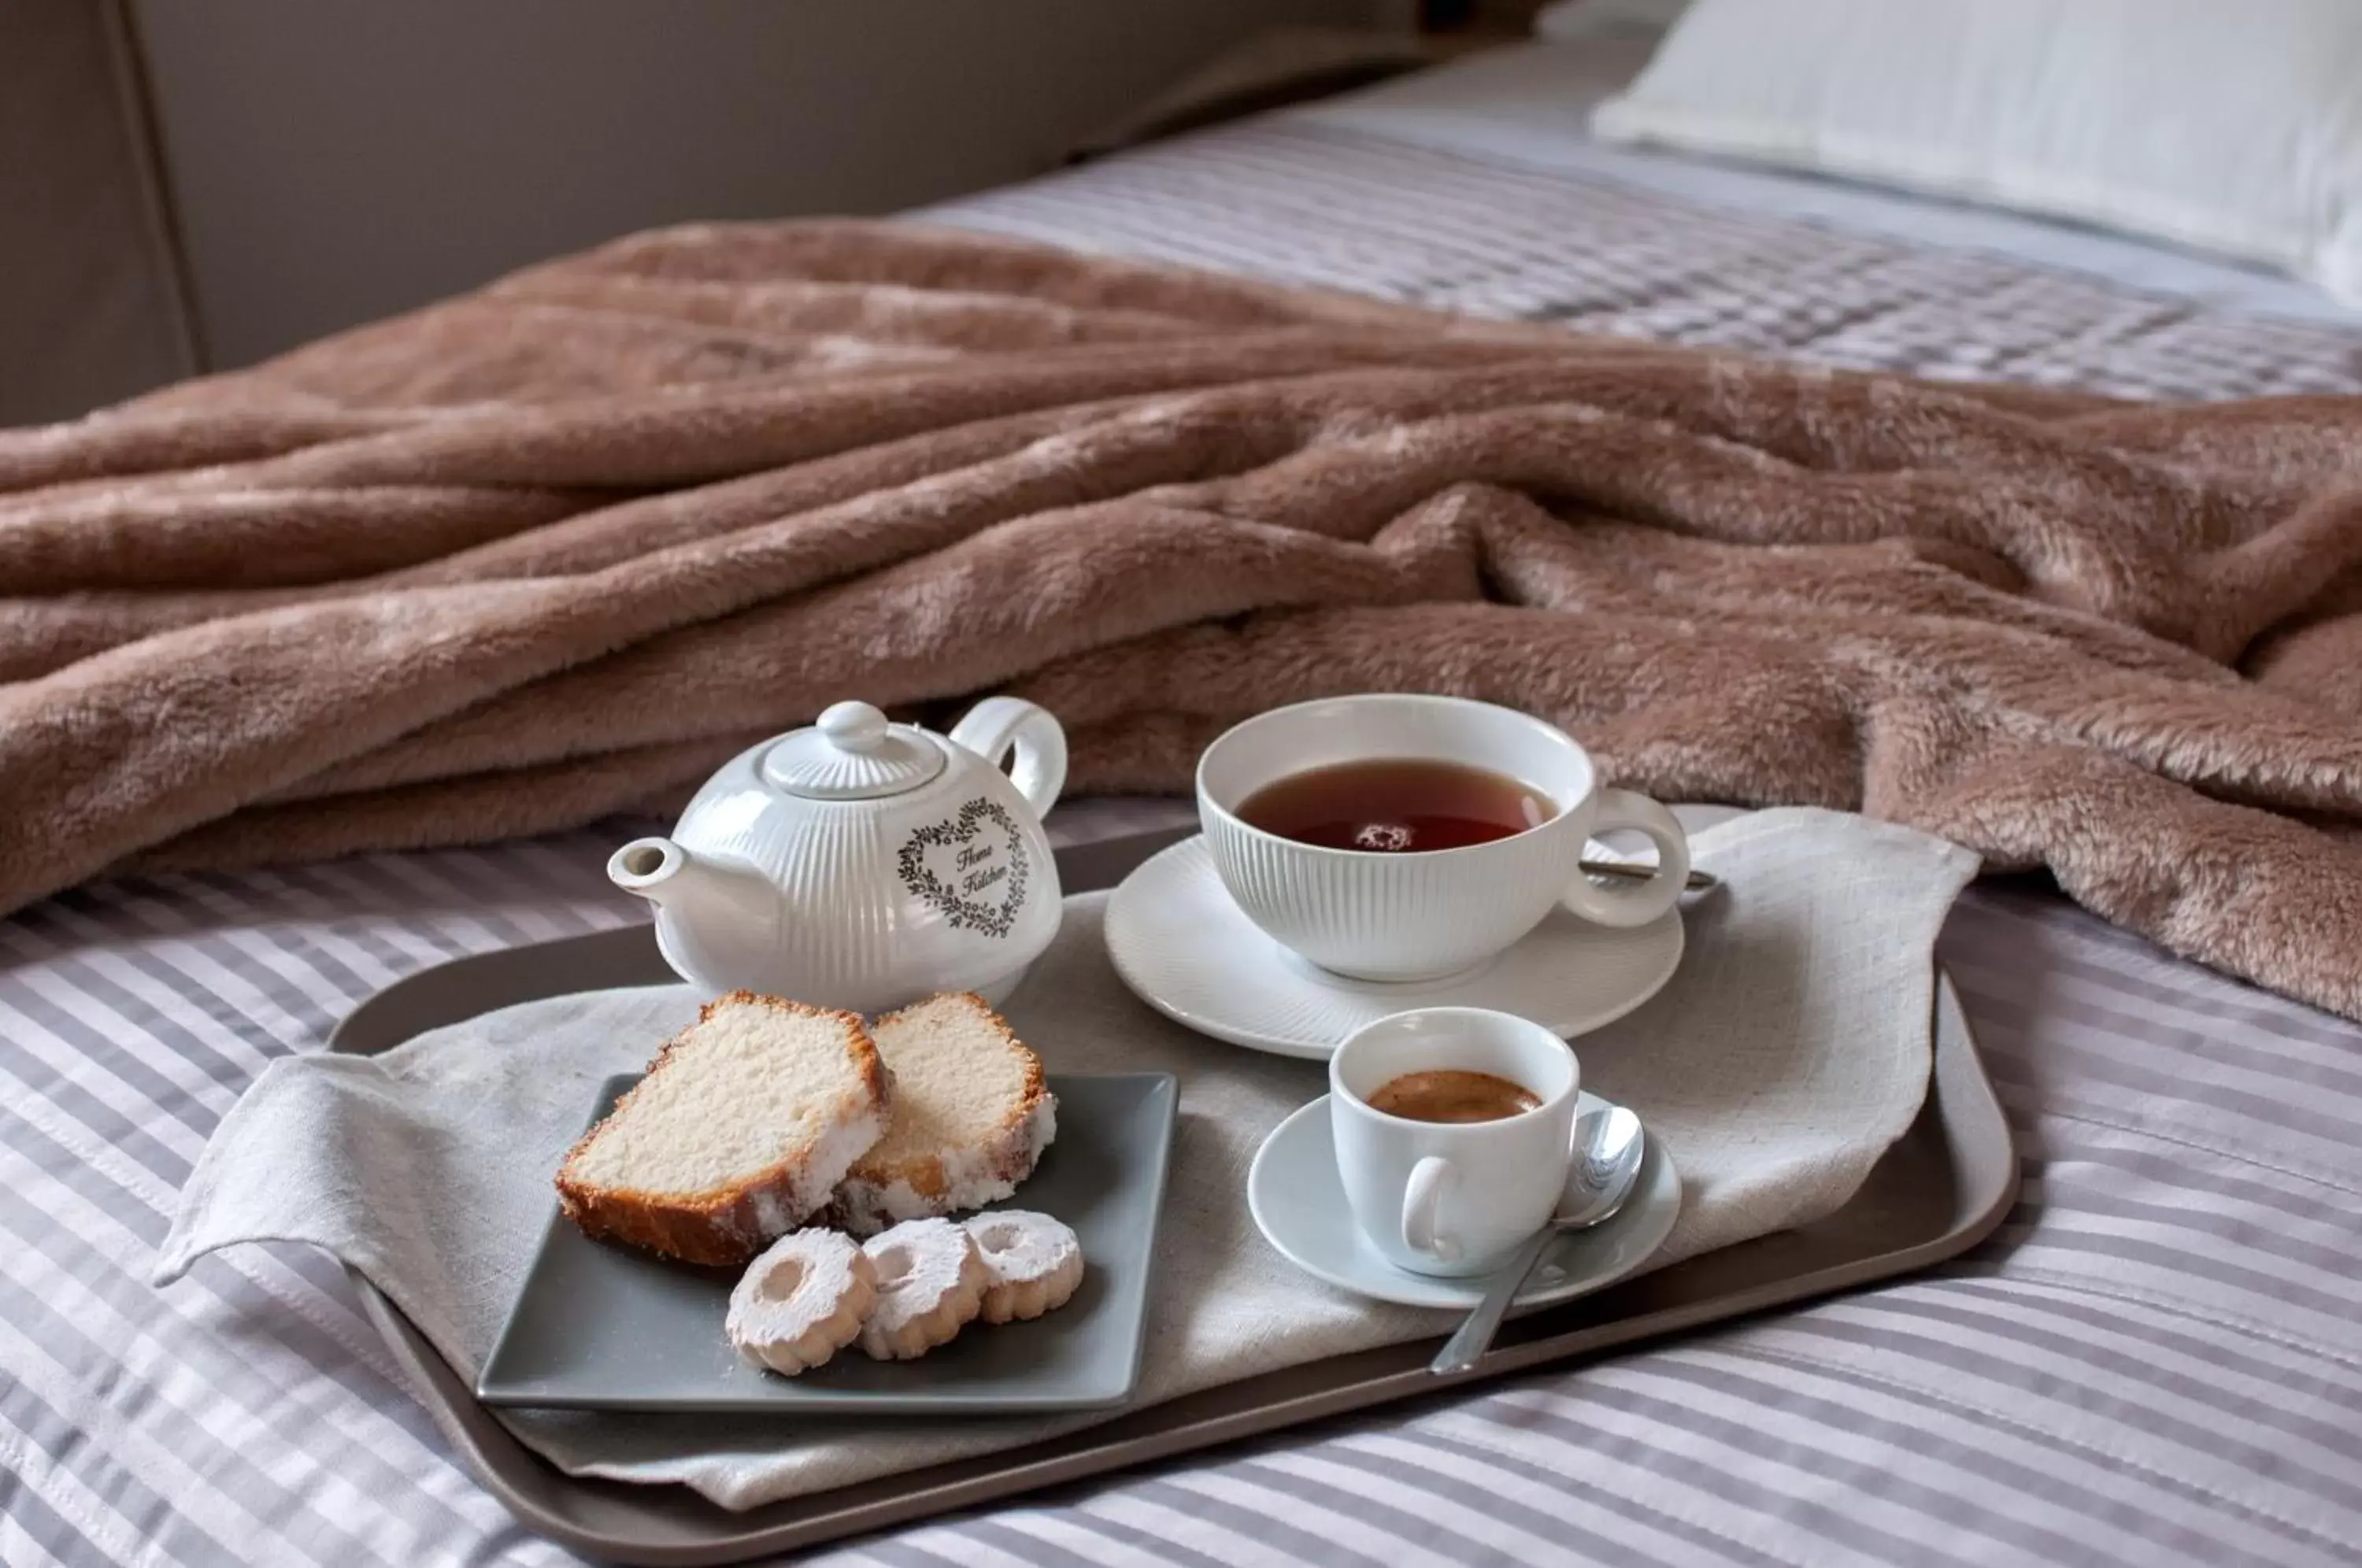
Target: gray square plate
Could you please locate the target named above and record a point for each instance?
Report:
(603, 1326)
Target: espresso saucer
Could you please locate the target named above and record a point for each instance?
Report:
(1187, 950)
(1293, 1192)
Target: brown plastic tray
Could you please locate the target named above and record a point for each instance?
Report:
(1938, 1192)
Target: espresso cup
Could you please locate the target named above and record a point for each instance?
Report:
(1453, 1197)
(1420, 915)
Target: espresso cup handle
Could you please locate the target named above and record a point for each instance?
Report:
(1422, 1198)
(1642, 901)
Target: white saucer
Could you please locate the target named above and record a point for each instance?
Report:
(1293, 1193)
(1187, 950)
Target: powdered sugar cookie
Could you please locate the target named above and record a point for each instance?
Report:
(929, 1284)
(1035, 1263)
(801, 1301)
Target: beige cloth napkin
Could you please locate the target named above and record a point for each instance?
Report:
(1789, 1051)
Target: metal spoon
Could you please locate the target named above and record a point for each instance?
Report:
(1699, 881)
(1608, 1143)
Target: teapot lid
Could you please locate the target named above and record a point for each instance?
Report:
(853, 754)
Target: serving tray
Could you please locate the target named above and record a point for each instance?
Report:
(1940, 1190)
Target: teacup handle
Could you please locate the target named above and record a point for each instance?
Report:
(1422, 1199)
(998, 723)
(1641, 902)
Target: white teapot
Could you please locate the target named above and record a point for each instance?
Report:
(860, 864)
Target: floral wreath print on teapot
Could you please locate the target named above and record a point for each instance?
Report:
(988, 849)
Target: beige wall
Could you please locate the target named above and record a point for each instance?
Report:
(333, 161)
(89, 312)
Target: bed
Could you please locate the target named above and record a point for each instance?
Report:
(2156, 1359)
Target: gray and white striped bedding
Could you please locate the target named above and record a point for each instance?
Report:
(2157, 1359)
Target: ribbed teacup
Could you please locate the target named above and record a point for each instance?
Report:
(1420, 915)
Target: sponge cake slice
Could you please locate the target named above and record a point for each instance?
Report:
(745, 1122)
(971, 1116)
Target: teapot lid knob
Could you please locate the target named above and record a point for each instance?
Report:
(852, 753)
(853, 726)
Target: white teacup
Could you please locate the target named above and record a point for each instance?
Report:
(1453, 1197)
(1378, 916)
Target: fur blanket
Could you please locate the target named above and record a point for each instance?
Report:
(555, 549)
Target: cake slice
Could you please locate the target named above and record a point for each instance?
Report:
(746, 1120)
(971, 1116)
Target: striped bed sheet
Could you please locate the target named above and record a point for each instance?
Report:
(2157, 1359)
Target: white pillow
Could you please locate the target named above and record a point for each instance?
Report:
(2233, 126)
(1570, 21)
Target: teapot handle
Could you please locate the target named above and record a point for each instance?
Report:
(997, 723)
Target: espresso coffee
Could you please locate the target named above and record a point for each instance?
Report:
(1396, 806)
(1449, 1094)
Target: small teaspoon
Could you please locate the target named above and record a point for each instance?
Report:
(1699, 881)
(1608, 1143)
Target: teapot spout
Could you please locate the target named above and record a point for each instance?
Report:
(717, 917)
(673, 879)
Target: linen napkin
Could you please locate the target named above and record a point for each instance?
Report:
(1791, 1047)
